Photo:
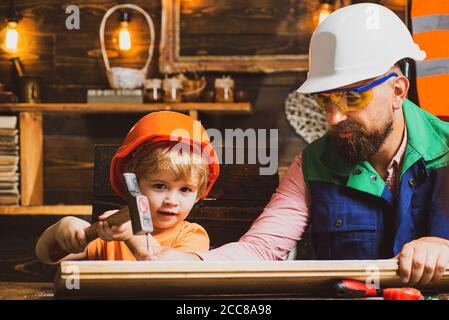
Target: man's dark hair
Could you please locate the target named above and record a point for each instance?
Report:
(408, 69)
(404, 65)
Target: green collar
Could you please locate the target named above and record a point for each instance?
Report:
(423, 139)
(423, 142)
(361, 176)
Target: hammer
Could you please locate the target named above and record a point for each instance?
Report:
(138, 211)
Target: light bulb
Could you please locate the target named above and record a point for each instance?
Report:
(124, 37)
(324, 11)
(12, 37)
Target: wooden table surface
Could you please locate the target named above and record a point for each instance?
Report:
(44, 291)
(26, 291)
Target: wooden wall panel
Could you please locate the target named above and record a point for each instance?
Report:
(31, 156)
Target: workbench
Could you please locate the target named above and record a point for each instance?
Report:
(210, 280)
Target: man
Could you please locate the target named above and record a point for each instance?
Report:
(377, 184)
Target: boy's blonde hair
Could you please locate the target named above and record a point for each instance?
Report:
(185, 161)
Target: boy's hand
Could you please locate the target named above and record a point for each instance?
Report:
(424, 260)
(144, 247)
(69, 234)
(142, 253)
(111, 233)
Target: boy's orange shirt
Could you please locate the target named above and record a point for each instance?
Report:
(185, 236)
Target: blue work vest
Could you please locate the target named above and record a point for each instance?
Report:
(354, 215)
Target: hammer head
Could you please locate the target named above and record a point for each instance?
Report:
(139, 206)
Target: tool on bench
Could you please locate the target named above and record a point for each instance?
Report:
(356, 289)
(138, 211)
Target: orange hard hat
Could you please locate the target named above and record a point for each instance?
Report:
(163, 126)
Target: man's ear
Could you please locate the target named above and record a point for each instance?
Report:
(400, 89)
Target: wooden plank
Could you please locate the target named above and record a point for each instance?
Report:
(171, 278)
(242, 107)
(57, 178)
(59, 151)
(68, 168)
(47, 210)
(31, 158)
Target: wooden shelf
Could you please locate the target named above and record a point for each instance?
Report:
(241, 108)
(47, 210)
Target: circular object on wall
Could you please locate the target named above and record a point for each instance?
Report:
(305, 116)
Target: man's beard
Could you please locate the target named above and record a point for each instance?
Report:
(361, 145)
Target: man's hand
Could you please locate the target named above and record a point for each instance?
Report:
(111, 233)
(423, 260)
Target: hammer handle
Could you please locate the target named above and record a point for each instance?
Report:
(56, 253)
(118, 218)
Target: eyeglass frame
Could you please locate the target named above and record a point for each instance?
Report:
(364, 87)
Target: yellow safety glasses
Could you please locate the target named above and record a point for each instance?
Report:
(350, 99)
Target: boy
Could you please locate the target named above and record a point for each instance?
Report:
(175, 165)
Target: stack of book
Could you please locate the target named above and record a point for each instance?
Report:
(9, 161)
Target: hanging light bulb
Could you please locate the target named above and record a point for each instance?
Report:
(11, 34)
(326, 8)
(124, 39)
(12, 37)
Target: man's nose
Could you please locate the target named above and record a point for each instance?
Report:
(334, 115)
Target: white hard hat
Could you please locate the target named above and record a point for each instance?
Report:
(356, 43)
